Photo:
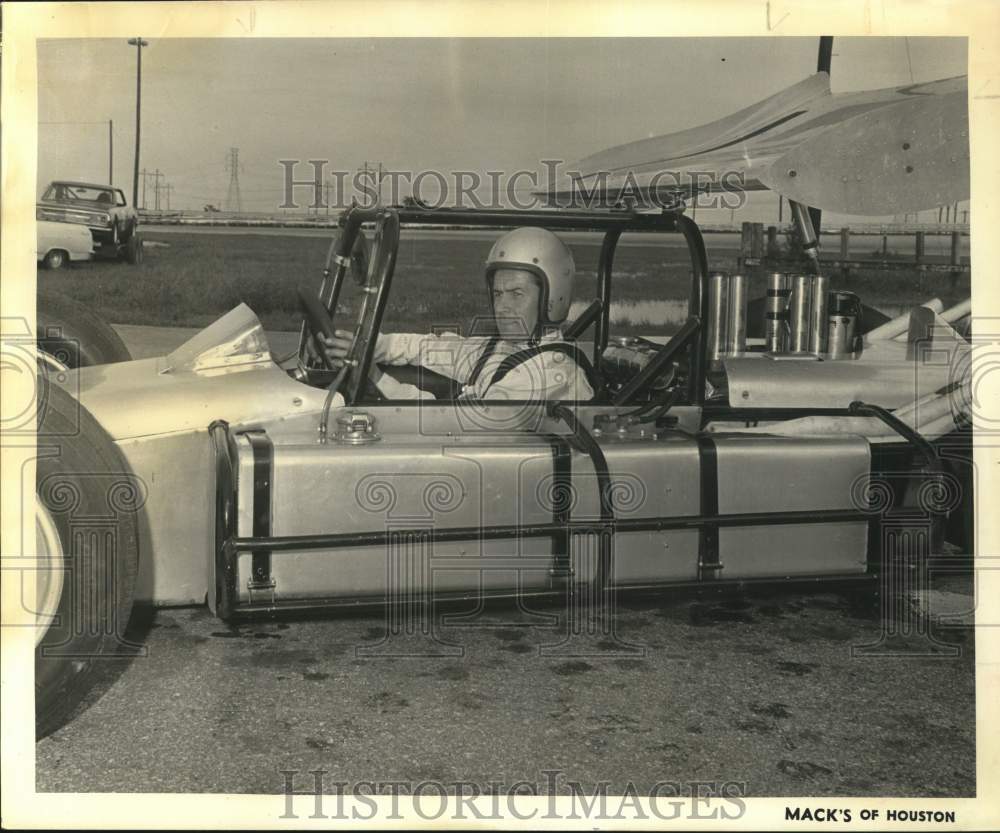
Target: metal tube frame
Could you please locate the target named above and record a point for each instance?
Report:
(613, 223)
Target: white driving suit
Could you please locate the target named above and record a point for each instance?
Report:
(548, 376)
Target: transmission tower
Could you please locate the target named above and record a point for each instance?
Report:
(233, 200)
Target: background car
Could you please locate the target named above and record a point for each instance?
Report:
(101, 208)
(60, 243)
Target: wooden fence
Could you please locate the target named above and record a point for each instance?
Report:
(760, 248)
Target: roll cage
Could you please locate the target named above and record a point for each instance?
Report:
(345, 253)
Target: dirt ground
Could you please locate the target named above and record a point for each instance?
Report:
(777, 693)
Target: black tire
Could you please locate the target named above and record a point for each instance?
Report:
(55, 259)
(74, 335)
(133, 249)
(86, 478)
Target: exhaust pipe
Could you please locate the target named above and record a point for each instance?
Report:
(799, 313)
(736, 328)
(718, 315)
(779, 288)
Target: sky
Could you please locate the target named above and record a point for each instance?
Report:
(414, 104)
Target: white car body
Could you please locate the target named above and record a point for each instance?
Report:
(75, 240)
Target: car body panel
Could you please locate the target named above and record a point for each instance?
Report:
(76, 241)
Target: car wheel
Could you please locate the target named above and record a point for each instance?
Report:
(55, 259)
(134, 249)
(86, 573)
(74, 335)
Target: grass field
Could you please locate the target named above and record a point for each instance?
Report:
(191, 279)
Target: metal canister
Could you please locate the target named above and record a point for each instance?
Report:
(818, 315)
(779, 288)
(718, 314)
(799, 309)
(736, 329)
(842, 319)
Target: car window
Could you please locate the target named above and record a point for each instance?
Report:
(81, 193)
(121, 198)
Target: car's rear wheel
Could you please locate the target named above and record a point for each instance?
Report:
(55, 259)
(72, 334)
(87, 533)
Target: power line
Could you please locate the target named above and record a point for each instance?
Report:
(233, 192)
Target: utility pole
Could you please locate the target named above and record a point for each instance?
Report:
(233, 193)
(144, 175)
(139, 43)
(156, 188)
(167, 189)
(111, 155)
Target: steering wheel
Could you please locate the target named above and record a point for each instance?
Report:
(643, 381)
(318, 321)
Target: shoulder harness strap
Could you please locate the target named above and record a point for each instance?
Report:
(570, 350)
(488, 350)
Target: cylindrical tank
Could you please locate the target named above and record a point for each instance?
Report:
(842, 318)
(718, 314)
(799, 310)
(736, 328)
(818, 315)
(779, 287)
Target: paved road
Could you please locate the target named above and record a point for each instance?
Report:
(760, 690)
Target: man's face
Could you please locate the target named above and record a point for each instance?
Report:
(515, 302)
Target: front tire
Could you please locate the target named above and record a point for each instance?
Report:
(74, 335)
(85, 600)
(56, 259)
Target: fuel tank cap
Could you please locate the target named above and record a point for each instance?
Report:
(356, 428)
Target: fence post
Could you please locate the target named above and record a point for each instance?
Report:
(845, 252)
(772, 241)
(920, 247)
(758, 240)
(746, 245)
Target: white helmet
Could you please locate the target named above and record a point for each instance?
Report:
(540, 252)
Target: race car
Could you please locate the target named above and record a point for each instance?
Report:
(103, 209)
(218, 475)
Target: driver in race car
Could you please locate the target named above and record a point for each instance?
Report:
(530, 274)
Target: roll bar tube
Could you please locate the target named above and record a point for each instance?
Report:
(697, 307)
(376, 289)
(605, 267)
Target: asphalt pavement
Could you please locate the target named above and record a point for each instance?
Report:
(777, 693)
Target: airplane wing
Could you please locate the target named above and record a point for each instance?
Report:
(873, 152)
